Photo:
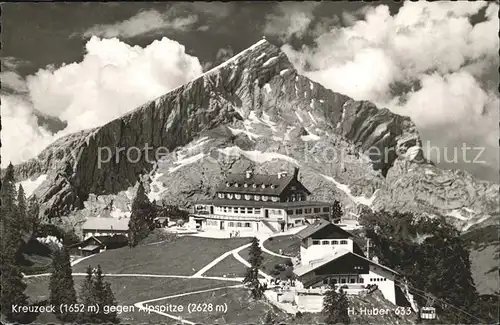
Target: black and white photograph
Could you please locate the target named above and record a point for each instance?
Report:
(250, 162)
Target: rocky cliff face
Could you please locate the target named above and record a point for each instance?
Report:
(255, 111)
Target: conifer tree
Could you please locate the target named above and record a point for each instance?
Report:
(22, 210)
(337, 211)
(255, 253)
(86, 298)
(33, 215)
(62, 286)
(12, 291)
(139, 224)
(335, 307)
(252, 274)
(104, 297)
(8, 193)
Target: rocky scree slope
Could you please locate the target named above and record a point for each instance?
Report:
(256, 112)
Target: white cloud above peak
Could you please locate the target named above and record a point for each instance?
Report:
(112, 79)
(142, 23)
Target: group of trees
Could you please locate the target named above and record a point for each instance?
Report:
(94, 291)
(431, 256)
(335, 307)
(18, 219)
(144, 213)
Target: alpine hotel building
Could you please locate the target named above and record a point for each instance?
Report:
(253, 202)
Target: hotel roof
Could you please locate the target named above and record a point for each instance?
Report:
(304, 269)
(319, 225)
(101, 223)
(264, 204)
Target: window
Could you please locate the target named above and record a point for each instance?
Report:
(275, 199)
(228, 184)
(247, 224)
(289, 212)
(315, 242)
(263, 186)
(361, 280)
(257, 211)
(236, 185)
(317, 210)
(298, 221)
(256, 197)
(278, 212)
(273, 186)
(248, 197)
(343, 280)
(358, 267)
(246, 185)
(238, 224)
(325, 242)
(298, 211)
(264, 197)
(335, 242)
(250, 210)
(231, 224)
(242, 210)
(326, 209)
(325, 281)
(308, 210)
(334, 281)
(225, 209)
(220, 195)
(254, 185)
(237, 196)
(343, 242)
(352, 280)
(230, 195)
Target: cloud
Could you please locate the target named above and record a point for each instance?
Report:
(112, 79)
(428, 61)
(290, 19)
(142, 23)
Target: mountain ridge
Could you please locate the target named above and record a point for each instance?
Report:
(255, 102)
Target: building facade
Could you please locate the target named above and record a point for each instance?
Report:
(330, 258)
(101, 226)
(253, 202)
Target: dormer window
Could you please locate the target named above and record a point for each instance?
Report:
(236, 185)
(246, 185)
(228, 184)
(254, 185)
(263, 186)
(273, 186)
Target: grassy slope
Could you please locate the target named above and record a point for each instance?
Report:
(269, 262)
(290, 245)
(229, 267)
(128, 291)
(182, 256)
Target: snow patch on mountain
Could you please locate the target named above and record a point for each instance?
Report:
(356, 199)
(255, 155)
(249, 134)
(30, 185)
(271, 61)
(186, 161)
(299, 117)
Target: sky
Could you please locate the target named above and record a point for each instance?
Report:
(73, 66)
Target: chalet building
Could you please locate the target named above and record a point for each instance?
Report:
(95, 244)
(101, 226)
(253, 202)
(329, 257)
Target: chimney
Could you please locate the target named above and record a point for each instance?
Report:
(248, 174)
(296, 172)
(368, 248)
(282, 174)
